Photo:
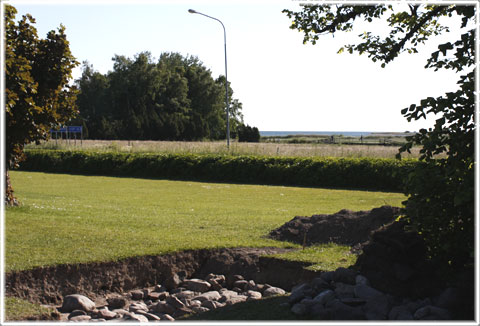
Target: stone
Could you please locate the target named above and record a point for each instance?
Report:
(273, 291)
(344, 275)
(172, 282)
(236, 299)
(137, 294)
(81, 318)
(259, 287)
(432, 313)
(155, 296)
(400, 313)
(214, 284)
(163, 307)
(210, 295)
(97, 320)
(159, 288)
(167, 317)
(237, 278)
(251, 285)
(415, 305)
(253, 295)
(377, 308)
(200, 309)
(328, 276)
(136, 317)
(185, 294)
(341, 311)
(194, 303)
(299, 292)
(178, 290)
(360, 279)
(135, 306)
(212, 304)
(449, 298)
(238, 290)
(76, 313)
(106, 314)
(354, 302)
(77, 302)
(197, 285)
(365, 292)
(120, 312)
(226, 294)
(320, 312)
(174, 302)
(299, 309)
(343, 290)
(319, 284)
(116, 302)
(149, 315)
(324, 297)
(241, 284)
(182, 312)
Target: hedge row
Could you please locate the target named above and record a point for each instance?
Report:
(350, 173)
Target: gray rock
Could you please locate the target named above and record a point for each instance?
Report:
(81, 318)
(97, 320)
(185, 294)
(324, 296)
(343, 290)
(159, 288)
(365, 292)
(299, 309)
(149, 315)
(241, 284)
(164, 308)
(172, 282)
(182, 312)
(77, 302)
(273, 291)
(136, 317)
(320, 312)
(226, 294)
(432, 313)
(253, 295)
(137, 294)
(106, 314)
(328, 276)
(448, 299)
(354, 302)
(175, 302)
(344, 275)
(136, 306)
(319, 284)
(200, 309)
(341, 311)
(120, 312)
(116, 302)
(415, 305)
(377, 308)
(194, 303)
(360, 279)
(212, 304)
(167, 317)
(400, 313)
(299, 292)
(210, 295)
(76, 313)
(236, 299)
(197, 285)
(214, 285)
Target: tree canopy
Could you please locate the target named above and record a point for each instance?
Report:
(174, 98)
(38, 96)
(440, 203)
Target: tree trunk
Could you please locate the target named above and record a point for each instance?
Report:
(10, 199)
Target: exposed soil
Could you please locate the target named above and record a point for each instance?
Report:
(344, 227)
(48, 285)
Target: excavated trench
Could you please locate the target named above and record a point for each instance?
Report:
(49, 285)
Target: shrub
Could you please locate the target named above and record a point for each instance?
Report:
(356, 173)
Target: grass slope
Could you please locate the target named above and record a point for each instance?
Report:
(72, 218)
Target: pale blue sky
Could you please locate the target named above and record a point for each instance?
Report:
(283, 84)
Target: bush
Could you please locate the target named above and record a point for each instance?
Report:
(356, 173)
(248, 134)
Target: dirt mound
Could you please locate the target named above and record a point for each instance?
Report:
(344, 227)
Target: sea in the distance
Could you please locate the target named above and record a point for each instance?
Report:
(314, 133)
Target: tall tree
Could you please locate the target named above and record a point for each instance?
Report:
(440, 192)
(37, 92)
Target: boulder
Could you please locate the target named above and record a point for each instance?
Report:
(273, 291)
(116, 302)
(324, 297)
(210, 295)
(77, 302)
(197, 285)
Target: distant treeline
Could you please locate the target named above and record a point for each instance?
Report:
(175, 98)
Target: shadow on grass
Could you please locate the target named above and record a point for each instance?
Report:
(265, 309)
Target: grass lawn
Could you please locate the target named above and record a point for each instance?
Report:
(73, 218)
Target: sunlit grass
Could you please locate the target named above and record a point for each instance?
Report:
(72, 218)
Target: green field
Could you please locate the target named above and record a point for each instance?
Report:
(73, 218)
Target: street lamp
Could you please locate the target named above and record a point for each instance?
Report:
(226, 80)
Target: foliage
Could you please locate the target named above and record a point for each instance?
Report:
(175, 98)
(37, 94)
(248, 134)
(358, 173)
(441, 191)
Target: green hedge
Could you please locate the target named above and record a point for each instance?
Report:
(352, 173)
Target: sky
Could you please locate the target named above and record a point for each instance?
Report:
(283, 84)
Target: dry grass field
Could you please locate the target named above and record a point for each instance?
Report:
(236, 148)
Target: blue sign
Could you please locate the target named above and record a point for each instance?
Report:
(77, 129)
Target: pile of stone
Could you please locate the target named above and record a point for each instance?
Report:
(175, 298)
(344, 294)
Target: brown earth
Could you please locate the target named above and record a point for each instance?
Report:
(344, 227)
(48, 285)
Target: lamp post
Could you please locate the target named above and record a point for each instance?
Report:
(226, 80)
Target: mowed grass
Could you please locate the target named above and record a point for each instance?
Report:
(74, 218)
